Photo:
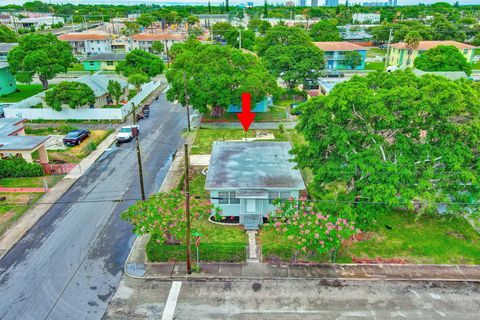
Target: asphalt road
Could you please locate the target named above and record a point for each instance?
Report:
(70, 263)
(295, 300)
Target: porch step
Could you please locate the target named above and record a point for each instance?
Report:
(250, 222)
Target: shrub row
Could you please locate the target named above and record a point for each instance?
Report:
(18, 167)
(234, 252)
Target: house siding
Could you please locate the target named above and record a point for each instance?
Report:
(7, 82)
(398, 57)
(335, 60)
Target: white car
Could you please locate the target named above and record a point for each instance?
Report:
(127, 133)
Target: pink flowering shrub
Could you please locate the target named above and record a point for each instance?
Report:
(163, 216)
(310, 231)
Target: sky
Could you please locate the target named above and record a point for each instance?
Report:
(258, 2)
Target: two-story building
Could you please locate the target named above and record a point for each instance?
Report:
(144, 41)
(335, 54)
(246, 178)
(398, 54)
(86, 44)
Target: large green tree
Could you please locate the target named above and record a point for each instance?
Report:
(259, 25)
(234, 35)
(353, 59)
(392, 141)
(443, 58)
(7, 35)
(139, 61)
(146, 19)
(412, 41)
(295, 63)
(216, 76)
(114, 90)
(325, 30)
(42, 55)
(73, 94)
(281, 35)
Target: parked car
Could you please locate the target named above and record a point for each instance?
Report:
(146, 110)
(127, 133)
(334, 74)
(295, 108)
(75, 137)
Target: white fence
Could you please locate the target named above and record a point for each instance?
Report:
(23, 109)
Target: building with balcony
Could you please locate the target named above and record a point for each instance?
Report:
(144, 41)
(335, 54)
(86, 44)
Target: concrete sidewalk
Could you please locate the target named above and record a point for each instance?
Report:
(264, 271)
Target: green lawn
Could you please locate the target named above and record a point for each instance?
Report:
(33, 182)
(278, 112)
(476, 65)
(373, 52)
(205, 137)
(132, 93)
(431, 239)
(374, 65)
(14, 206)
(63, 129)
(76, 67)
(24, 91)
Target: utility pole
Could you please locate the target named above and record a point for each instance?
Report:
(139, 155)
(186, 99)
(187, 212)
(239, 38)
(387, 56)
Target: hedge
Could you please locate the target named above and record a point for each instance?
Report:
(18, 167)
(234, 252)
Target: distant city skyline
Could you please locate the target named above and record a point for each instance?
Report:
(232, 2)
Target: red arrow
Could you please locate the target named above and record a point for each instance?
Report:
(246, 117)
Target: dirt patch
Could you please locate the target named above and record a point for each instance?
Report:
(456, 235)
(379, 260)
(7, 216)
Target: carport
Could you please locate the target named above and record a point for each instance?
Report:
(23, 146)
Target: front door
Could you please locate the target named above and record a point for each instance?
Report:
(250, 206)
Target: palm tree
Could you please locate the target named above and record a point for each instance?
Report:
(412, 41)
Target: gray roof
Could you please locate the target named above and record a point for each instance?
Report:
(4, 65)
(107, 56)
(451, 75)
(9, 126)
(252, 165)
(6, 47)
(97, 82)
(21, 142)
(355, 35)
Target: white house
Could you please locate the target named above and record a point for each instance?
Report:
(366, 17)
(99, 84)
(245, 178)
(144, 41)
(85, 44)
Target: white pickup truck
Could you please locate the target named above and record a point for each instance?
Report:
(127, 133)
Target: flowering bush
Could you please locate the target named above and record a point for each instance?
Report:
(311, 231)
(163, 216)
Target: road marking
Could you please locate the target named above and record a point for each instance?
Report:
(171, 304)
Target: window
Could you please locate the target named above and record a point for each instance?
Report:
(465, 51)
(92, 63)
(274, 195)
(224, 199)
(228, 198)
(109, 63)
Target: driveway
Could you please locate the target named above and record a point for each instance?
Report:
(70, 263)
